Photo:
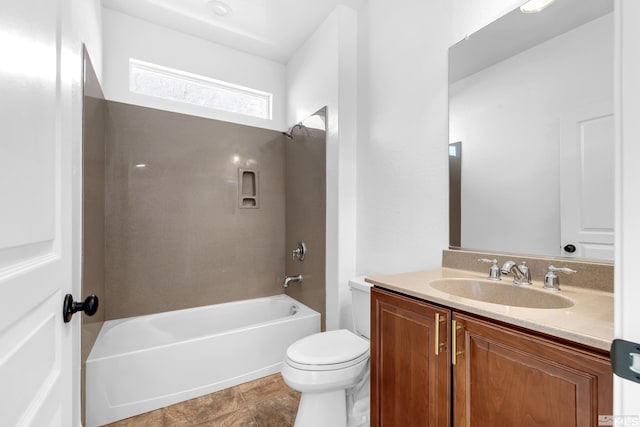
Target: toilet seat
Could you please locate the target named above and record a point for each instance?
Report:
(327, 351)
(331, 367)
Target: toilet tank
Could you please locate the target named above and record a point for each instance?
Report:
(361, 305)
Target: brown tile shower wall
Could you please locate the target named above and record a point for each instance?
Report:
(175, 234)
(306, 213)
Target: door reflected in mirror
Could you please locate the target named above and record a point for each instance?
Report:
(531, 108)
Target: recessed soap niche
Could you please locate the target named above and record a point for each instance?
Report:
(248, 189)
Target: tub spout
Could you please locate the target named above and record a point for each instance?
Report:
(289, 279)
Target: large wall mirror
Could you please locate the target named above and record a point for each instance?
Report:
(531, 133)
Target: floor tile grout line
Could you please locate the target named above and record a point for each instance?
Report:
(246, 405)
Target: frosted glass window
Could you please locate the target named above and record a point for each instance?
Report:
(162, 82)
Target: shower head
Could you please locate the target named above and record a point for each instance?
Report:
(289, 132)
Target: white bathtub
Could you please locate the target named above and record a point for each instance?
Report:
(143, 363)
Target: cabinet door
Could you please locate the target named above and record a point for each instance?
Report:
(410, 362)
(505, 377)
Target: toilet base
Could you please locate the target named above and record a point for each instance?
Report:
(322, 409)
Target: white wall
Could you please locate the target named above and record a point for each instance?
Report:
(323, 72)
(127, 37)
(402, 170)
(508, 117)
(87, 22)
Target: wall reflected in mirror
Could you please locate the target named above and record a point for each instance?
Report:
(531, 108)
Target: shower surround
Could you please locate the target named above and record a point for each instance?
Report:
(305, 211)
(182, 212)
(175, 235)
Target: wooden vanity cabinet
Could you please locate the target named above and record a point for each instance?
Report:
(505, 377)
(502, 375)
(410, 362)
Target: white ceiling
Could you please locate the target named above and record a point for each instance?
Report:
(517, 31)
(273, 29)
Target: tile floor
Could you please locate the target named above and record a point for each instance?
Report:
(266, 402)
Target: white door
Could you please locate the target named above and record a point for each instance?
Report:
(36, 385)
(587, 183)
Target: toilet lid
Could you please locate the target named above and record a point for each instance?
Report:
(329, 348)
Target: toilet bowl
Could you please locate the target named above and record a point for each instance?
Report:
(331, 370)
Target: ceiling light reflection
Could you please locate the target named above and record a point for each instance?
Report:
(534, 6)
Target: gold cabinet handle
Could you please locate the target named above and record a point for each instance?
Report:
(437, 349)
(455, 327)
(439, 319)
(454, 339)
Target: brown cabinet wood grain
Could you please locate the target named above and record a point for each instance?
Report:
(410, 383)
(506, 377)
(500, 376)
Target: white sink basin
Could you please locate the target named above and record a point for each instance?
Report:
(504, 293)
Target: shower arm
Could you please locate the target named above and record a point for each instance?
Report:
(289, 132)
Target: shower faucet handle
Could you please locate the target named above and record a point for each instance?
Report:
(299, 252)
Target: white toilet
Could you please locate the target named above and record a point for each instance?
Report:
(331, 370)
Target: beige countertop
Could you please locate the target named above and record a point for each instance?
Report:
(589, 321)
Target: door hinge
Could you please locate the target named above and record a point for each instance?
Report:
(625, 359)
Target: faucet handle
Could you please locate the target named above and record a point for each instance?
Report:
(299, 252)
(551, 279)
(561, 269)
(494, 270)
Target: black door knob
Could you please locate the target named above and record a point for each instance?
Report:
(69, 307)
(569, 248)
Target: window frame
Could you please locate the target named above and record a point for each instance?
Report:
(214, 84)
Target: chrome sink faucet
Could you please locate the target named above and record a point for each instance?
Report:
(521, 275)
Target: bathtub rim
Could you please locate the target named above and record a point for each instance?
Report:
(304, 311)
